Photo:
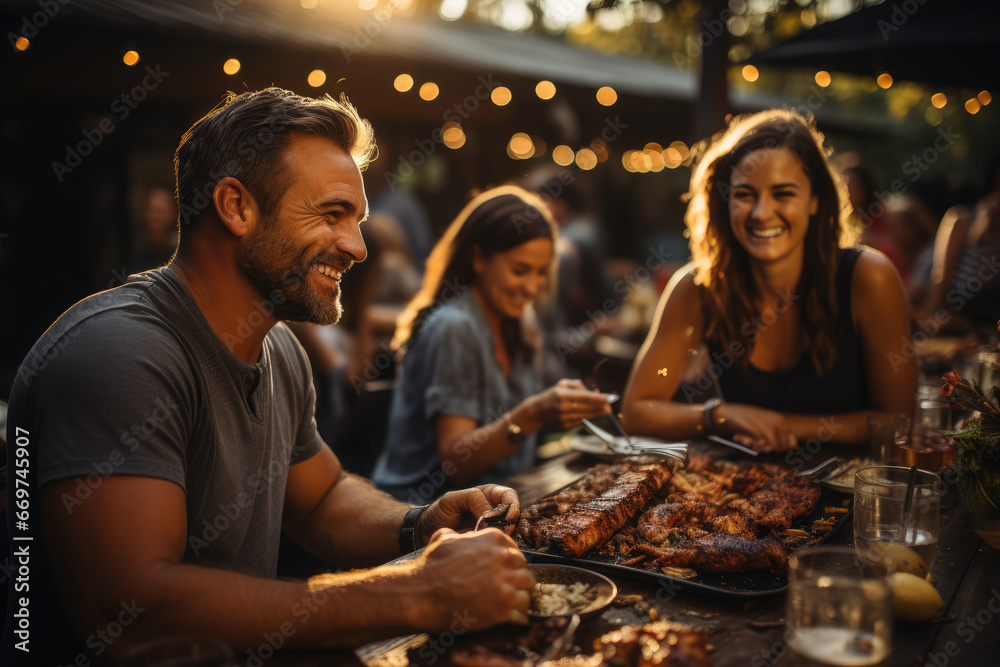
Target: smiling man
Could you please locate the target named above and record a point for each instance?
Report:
(172, 436)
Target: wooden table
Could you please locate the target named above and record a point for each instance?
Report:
(750, 632)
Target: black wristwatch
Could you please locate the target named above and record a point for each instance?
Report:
(408, 531)
(708, 415)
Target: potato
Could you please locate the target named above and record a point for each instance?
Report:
(903, 557)
(914, 599)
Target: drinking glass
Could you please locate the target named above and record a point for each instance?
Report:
(924, 442)
(880, 527)
(882, 430)
(839, 608)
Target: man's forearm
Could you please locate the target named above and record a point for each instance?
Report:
(334, 610)
(354, 524)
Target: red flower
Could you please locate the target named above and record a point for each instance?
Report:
(950, 382)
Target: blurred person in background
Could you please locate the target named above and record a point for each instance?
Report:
(159, 226)
(867, 210)
(470, 394)
(911, 226)
(799, 327)
(965, 277)
(579, 312)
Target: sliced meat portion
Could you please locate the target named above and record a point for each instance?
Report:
(591, 524)
(720, 552)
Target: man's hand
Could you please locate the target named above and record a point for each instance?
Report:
(478, 577)
(459, 510)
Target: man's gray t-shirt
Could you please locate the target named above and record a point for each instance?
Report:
(133, 381)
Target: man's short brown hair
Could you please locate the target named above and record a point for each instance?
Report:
(245, 137)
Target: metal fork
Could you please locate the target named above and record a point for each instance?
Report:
(623, 447)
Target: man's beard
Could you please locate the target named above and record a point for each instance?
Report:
(266, 259)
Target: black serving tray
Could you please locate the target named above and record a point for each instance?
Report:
(753, 583)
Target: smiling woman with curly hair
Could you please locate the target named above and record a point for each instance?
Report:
(798, 325)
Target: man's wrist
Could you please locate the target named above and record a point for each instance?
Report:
(410, 538)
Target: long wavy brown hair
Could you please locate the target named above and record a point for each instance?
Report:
(722, 265)
(495, 221)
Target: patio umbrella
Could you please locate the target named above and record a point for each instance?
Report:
(951, 43)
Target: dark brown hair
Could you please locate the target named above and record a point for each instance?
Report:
(722, 265)
(246, 136)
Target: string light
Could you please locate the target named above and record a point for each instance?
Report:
(231, 66)
(984, 97)
(403, 83)
(545, 90)
(501, 96)
(22, 44)
(130, 58)
(823, 78)
(939, 100)
(429, 91)
(316, 78)
(750, 73)
(884, 80)
(606, 96)
(563, 155)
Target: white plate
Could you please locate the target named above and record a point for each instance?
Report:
(589, 444)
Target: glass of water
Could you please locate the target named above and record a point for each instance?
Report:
(884, 526)
(839, 608)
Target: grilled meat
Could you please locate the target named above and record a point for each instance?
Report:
(592, 523)
(720, 552)
(714, 517)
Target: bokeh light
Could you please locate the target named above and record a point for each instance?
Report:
(682, 150)
(586, 159)
(939, 100)
(545, 90)
(452, 10)
(973, 106)
(750, 73)
(22, 44)
(606, 96)
(365, 5)
(884, 80)
(231, 66)
(403, 83)
(600, 149)
(563, 155)
(823, 78)
(501, 96)
(520, 146)
(130, 58)
(309, 4)
(984, 97)
(453, 135)
(429, 91)
(317, 78)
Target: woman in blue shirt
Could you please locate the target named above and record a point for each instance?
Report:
(470, 394)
